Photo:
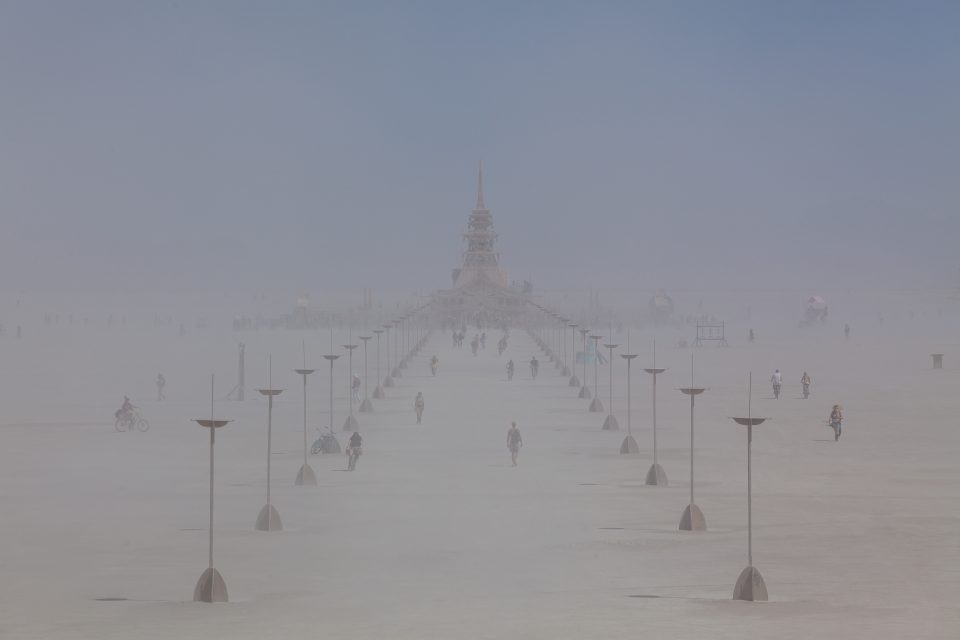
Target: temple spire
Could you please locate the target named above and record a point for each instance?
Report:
(480, 206)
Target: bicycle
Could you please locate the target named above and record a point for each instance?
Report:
(133, 420)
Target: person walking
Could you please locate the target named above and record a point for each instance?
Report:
(777, 380)
(534, 367)
(161, 383)
(805, 381)
(510, 370)
(836, 421)
(514, 442)
(418, 406)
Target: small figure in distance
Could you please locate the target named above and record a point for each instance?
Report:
(534, 367)
(805, 381)
(514, 442)
(354, 449)
(483, 340)
(777, 380)
(434, 365)
(836, 421)
(510, 370)
(474, 345)
(161, 383)
(418, 406)
(355, 387)
(846, 331)
(751, 337)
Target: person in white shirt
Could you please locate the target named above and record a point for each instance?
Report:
(777, 380)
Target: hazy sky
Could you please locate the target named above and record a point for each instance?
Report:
(317, 144)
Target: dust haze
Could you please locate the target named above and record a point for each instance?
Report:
(416, 224)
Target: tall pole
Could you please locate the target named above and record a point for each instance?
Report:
(596, 405)
(584, 390)
(378, 392)
(365, 405)
(351, 423)
(610, 423)
(211, 587)
(388, 381)
(305, 477)
(574, 381)
(629, 445)
(269, 519)
(750, 584)
(692, 518)
(656, 475)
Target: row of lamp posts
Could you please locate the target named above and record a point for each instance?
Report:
(750, 584)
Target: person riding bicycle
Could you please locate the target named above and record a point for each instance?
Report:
(125, 411)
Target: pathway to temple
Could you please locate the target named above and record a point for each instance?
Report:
(437, 536)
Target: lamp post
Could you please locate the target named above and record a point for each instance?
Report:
(305, 477)
(334, 445)
(269, 519)
(692, 518)
(629, 445)
(397, 341)
(403, 333)
(378, 391)
(610, 423)
(350, 424)
(211, 587)
(596, 406)
(655, 475)
(574, 380)
(750, 584)
(562, 346)
(584, 390)
(388, 381)
(365, 406)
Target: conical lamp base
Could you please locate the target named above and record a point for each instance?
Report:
(269, 519)
(656, 476)
(351, 424)
(565, 371)
(378, 393)
(366, 406)
(629, 446)
(388, 381)
(574, 381)
(611, 424)
(750, 586)
(596, 406)
(396, 372)
(585, 392)
(210, 587)
(692, 519)
(306, 477)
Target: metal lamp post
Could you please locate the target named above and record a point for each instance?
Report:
(388, 381)
(655, 475)
(610, 423)
(350, 424)
(269, 519)
(629, 445)
(750, 584)
(305, 477)
(397, 341)
(365, 405)
(584, 390)
(692, 518)
(403, 332)
(335, 446)
(596, 406)
(574, 380)
(562, 346)
(211, 587)
(378, 391)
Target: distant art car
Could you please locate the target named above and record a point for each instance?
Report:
(661, 307)
(815, 310)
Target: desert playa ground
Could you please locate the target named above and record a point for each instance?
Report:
(435, 535)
